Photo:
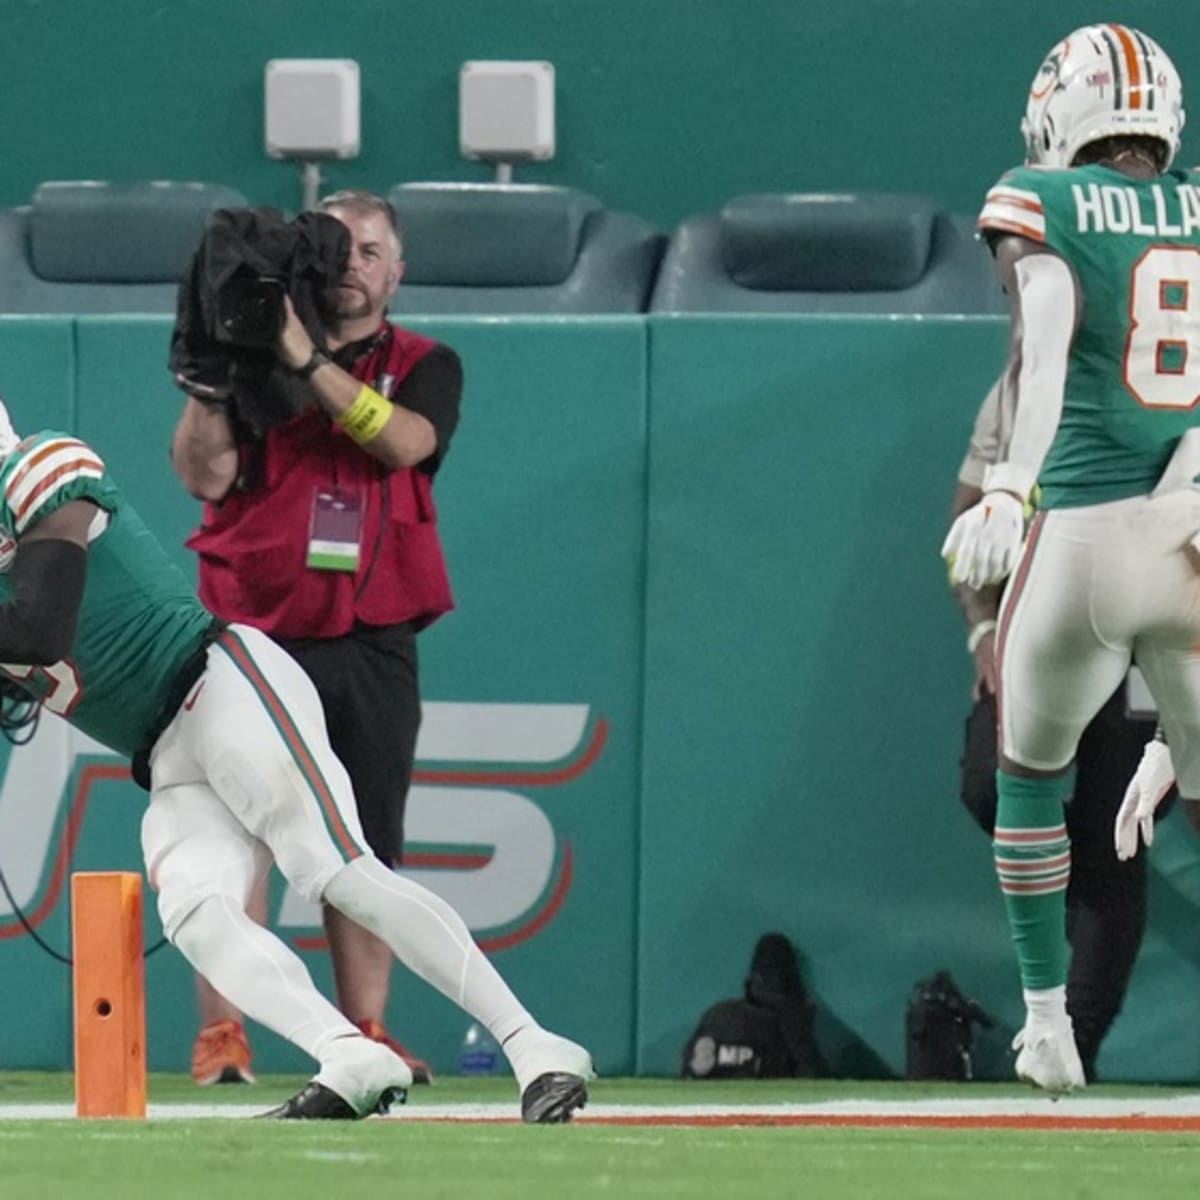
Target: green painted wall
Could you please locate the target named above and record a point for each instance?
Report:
(664, 108)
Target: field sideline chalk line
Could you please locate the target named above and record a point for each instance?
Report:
(1108, 1114)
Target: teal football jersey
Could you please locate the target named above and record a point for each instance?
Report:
(140, 619)
(1133, 377)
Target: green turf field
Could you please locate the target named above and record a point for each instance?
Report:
(235, 1157)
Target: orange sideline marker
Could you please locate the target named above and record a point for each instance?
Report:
(110, 996)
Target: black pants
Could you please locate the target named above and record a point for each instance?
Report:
(368, 686)
(1106, 898)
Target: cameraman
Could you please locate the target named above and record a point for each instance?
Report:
(333, 550)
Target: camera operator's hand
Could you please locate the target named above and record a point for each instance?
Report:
(398, 437)
(295, 346)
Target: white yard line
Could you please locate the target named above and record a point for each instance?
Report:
(1186, 1104)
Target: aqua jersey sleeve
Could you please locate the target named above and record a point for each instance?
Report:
(1015, 205)
(44, 473)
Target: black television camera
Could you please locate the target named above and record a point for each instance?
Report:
(231, 310)
(249, 311)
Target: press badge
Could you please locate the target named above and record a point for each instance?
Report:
(335, 533)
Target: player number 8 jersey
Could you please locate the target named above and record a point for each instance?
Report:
(1133, 376)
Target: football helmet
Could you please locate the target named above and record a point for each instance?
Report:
(1102, 81)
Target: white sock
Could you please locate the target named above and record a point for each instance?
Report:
(429, 938)
(255, 971)
(1046, 1005)
(533, 1051)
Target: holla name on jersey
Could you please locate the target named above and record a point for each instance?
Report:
(1054, 206)
(1154, 210)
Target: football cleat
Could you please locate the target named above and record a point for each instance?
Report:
(1047, 1056)
(553, 1073)
(553, 1098)
(221, 1054)
(316, 1102)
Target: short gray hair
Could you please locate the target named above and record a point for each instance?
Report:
(358, 200)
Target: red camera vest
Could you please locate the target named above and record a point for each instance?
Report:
(253, 547)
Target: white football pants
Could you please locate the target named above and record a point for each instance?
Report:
(1096, 588)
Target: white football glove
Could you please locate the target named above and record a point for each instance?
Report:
(1150, 783)
(984, 542)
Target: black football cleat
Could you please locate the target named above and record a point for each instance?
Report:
(316, 1102)
(553, 1098)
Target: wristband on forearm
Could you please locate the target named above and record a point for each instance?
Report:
(1009, 477)
(316, 361)
(978, 632)
(365, 418)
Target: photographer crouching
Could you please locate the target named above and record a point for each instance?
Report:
(313, 429)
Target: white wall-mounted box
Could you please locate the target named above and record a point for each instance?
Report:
(312, 108)
(506, 111)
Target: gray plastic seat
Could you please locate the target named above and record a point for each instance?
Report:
(808, 252)
(520, 248)
(97, 247)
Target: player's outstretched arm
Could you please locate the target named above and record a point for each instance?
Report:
(38, 624)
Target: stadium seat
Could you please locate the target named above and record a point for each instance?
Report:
(802, 252)
(520, 248)
(97, 247)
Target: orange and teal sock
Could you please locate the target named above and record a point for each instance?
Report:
(1033, 862)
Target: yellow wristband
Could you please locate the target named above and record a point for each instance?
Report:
(366, 417)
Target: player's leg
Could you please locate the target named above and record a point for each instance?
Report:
(221, 1051)
(204, 864)
(367, 684)
(275, 770)
(432, 940)
(1055, 673)
(1106, 900)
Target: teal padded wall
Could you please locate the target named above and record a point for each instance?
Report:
(725, 97)
(542, 504)
(128, 406)
(38, 387)
(806, 688)
(39, 371)
(705, 680)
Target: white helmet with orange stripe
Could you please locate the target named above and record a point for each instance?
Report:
(1102, 81)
